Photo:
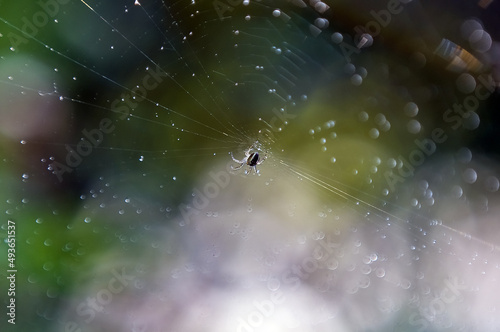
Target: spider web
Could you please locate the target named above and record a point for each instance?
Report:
(118, 139)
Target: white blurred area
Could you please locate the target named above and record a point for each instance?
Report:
(267, 253)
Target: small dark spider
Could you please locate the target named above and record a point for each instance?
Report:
(251, 159)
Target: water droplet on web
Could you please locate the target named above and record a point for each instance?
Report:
(380, 272)
(353, 288)
(321, 23)
(47, 266)
(356, 79)
(405, 284)
(413, 127)
(366, 40)
(320, 6)
(480, 41)
(337, 37)
(380, 119)
(469, 26)
(362, 72)
(465, 83)
(464, 155)
(52, 292)
(364, 282)
(492, 184)
(349, 69)
(470, 175)
(411, 109)
(374, 133)
(471, 121)
(457, 191)
(363, 116)
(332, 264)
(273, 284)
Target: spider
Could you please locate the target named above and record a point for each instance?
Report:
(251, 159)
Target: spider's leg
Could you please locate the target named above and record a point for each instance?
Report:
(262, 160)
(247, 153)
(237, 168)
(236, 160)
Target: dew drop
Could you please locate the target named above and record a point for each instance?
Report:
(356, 79)
(366, 40)
(380, 272)
(364, 282)
(480, 41)
(363, 116)
(464, 155)
(380, 119)
(332, 264)
(362, 72)
(470, 175)
(337, 37)
(349, 69)
(320, 7)
(405, 284)
(321, 23)
(465, 83)
(413, 127)
(273, 284)
(48, 266)
(411, 109)
(52, 292)
(492, 184)
(374, 133)
(457, 191)
(471, 121)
